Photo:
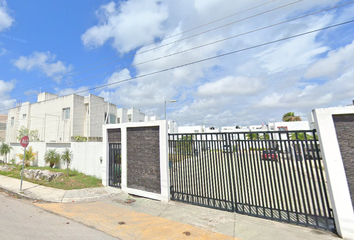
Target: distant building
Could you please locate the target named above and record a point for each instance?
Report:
(191, 129)
(172, 126)
(63, 119)
(3, 120)
(275, 126)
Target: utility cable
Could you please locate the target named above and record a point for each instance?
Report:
(204, 45)
(167, 44)
(207, 59)
(221, 55)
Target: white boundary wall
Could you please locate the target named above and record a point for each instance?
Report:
(86, 155)
(334, 168)
(164, 171)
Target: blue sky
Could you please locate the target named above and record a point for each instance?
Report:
(42, 42)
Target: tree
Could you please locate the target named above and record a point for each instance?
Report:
(66, 157)
(185, 145)
(290, 117)
(33, 135)
(30, 156)
(301, 136)
(4, 150)
(51, 157)
(251, 136)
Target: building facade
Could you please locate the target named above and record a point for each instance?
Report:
(67, 118)
(3, 120)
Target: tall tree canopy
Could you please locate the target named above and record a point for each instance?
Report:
(290, 117)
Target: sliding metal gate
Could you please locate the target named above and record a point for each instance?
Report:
(115, 171)
(273, 175)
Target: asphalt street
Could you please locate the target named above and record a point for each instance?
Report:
(21, 220)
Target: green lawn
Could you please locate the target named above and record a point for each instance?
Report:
(75, 180)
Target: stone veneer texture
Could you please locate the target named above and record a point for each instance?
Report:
(143, 159)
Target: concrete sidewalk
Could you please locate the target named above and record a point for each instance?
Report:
(130, 217)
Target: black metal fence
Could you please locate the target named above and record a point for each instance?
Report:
(115, 170)
(276, 175)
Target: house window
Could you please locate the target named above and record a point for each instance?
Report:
(196, 131)
(12, 121)
(24, 116)
(66, 113)
(129, 117)
(282, 128)
(118, 120)
(112, 118)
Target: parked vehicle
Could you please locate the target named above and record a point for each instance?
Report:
(269, 155)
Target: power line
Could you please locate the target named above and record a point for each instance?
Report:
(182, 39)
(221, 55)
(207, 59)
(218, 56)
(207, 44)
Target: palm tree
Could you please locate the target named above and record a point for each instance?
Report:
(66, 157)
(30, 155)
(251, 136)
(290, 117)
(51, 157)
(4, 150)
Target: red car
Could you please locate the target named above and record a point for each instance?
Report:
(269, 155)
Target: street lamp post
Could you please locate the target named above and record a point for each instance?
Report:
(165, 105)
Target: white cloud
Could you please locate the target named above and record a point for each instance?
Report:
(83, 91)
(3, 51)
(251, 86)
(129, 25)
(117, 77)
(43, 61)
(5, 100)
(231, 85)
(5, 19)
(336, 62)
(7, 86)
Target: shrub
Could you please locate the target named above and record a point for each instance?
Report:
(52, 157)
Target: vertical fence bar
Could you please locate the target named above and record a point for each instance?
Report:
(274, 174)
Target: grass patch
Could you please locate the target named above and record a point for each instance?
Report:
(75, 180)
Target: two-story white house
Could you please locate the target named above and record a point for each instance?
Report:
(62, 119)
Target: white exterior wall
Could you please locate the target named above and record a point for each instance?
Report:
(190, 129)
(47, 118)
(87, 115)
(291, 126)
(122, 114)
(11, 129)
(78, 116)
(86, 155)
(44, 96)
(112, 111)
(208, 130)
(334, 168)
(172, 126)
(98, 107)
(24, 110)
(87, 158)
(151, 118)
(136, 115)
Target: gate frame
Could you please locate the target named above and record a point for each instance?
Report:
(334, 168)
(112, 165)
(164, 170)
